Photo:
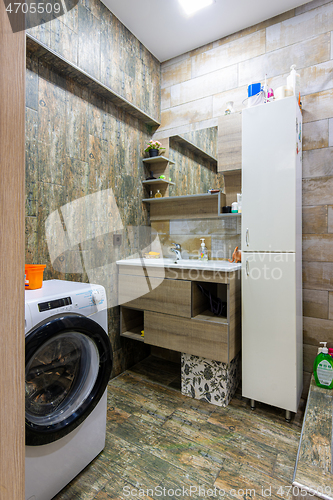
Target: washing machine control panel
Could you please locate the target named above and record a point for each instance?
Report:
(54, 304)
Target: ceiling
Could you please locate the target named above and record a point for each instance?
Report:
(167, 32)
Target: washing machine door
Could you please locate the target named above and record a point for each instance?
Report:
(68, 365)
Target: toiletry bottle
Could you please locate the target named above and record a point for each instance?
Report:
(158, 194)
(203, 250)
(293, 80)
(323, 368)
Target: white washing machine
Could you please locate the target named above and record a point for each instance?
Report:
(68, 364)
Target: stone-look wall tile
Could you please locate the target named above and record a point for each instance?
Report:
(31, 241)
(315, 135)
(234, 52)
(318, 275)
(71, 19)
(77, 110)
(318, 247)
(181, 115)
(315, 329)
(175, 73)
(309, 6)
(318, 162)
(314, 220)
(64, 40)
(315, 304)
(42, 33)
(203, 86)
(317, 106)
(315, 78)
(330, 219)
(31, 84)
(165, 98)
(303, 54)
(89, 49)
(298, 28)
(224, 227)
(330, 132)
(318, 191)
(176, 60)
(330, 312)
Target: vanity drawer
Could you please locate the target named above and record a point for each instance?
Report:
(167, 296)
(187, 335)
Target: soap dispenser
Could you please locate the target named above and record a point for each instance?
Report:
(293, 80)
(203, 250)
(323, 368)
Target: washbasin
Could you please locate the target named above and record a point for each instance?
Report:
(210, 265)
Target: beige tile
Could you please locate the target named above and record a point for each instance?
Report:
(318, 247)
(318, 191)
(318, 275)
(330, 219)
(314, 220)
(256, 27)
(175, 60)
(230, 53)
(165, 98)
(315, 135)
(318, 106)
(303, 54)
(310, 5)
(220, 100)
(316, 78)
(330, 132)
(204, 86)
(318, 162)
(315, 303)
(298, 28)
(316, 330)
(175, 73)
(191, 112)
(330, 303)
(204, 227)
(161, 227)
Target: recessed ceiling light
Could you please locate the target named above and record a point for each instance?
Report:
(192, 6)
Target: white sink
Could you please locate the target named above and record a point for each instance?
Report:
(210, 265)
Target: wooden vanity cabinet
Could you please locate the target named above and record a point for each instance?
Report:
(175, 314)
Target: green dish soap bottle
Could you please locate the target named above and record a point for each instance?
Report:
(323, 368)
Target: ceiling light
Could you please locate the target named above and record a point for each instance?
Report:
(192, 6)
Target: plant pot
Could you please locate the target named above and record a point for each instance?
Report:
(153, 152)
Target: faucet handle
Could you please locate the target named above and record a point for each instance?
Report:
(177, 245)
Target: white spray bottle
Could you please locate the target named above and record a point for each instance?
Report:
(293, 80)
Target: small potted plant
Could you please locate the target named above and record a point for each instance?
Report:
(154, 148)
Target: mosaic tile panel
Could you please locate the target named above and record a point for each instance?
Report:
(207, 380)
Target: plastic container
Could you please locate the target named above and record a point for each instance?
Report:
(293, 80)
(234, 207)
(34, 276)
(323, 368)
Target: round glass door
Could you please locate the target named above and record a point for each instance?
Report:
(67, 370)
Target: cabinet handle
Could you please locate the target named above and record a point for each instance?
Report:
(247, 268)
(247, 239)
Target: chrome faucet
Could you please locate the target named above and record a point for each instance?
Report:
(177, 250)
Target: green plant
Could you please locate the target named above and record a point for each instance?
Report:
(154, 145)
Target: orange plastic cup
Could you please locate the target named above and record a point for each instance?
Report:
(34, 276)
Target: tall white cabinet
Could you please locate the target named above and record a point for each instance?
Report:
(272, 343)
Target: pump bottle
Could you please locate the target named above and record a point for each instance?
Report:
(203, 250)
(323, 368)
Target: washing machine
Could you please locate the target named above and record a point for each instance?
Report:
(68, 362)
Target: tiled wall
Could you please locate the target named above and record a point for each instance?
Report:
(83, 157)
(221, 236)
(196, 87)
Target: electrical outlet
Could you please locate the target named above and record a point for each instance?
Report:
(116, 240)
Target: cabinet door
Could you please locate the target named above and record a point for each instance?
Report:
(270, 351)
(269, 177)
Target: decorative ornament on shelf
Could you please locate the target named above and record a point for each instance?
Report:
(154, 148)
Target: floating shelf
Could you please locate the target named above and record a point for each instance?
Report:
(158, 181)
(133, 336)
(193, 206)
(157, 159)
(192, 147)
(69, 69)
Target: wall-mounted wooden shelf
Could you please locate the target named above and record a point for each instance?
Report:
(157, 159)
(67, 68)
(192, 147)
(193, 206)
(158, 181)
